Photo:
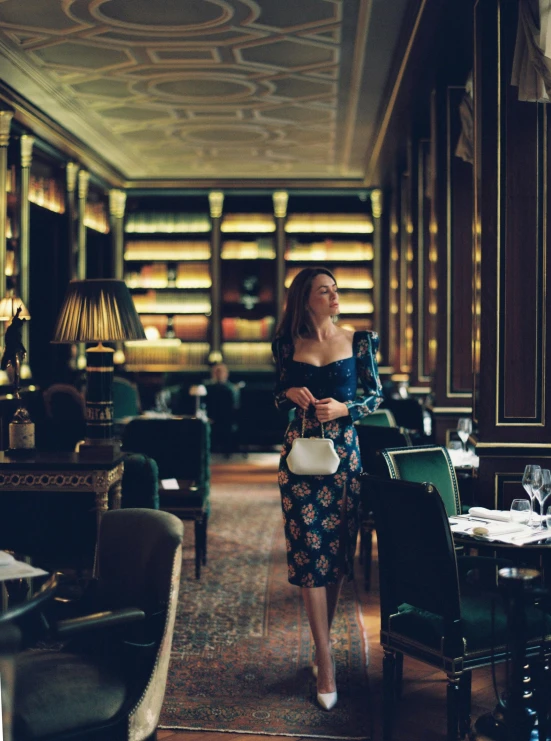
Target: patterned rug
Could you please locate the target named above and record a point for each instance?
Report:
(242, 645)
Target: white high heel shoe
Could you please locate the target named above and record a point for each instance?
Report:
(327, 700)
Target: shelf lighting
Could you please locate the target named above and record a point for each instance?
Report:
(254, 223)
(329, 223)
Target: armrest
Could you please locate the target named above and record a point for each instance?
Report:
(98, 621)
(481, 571)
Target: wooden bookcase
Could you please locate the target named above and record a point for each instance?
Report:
(171, 258)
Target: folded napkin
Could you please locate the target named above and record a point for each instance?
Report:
(499, 514)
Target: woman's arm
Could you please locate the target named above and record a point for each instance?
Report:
(286, 396)
(365, 348)
(282, 352)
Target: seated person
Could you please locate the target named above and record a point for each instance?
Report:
(222, 402)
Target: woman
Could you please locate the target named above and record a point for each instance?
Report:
(318, 368)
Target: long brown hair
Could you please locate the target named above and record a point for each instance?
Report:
(296, 321)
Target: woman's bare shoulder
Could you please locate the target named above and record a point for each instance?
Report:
(348, 333)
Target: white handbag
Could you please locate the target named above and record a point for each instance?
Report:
(312, 456)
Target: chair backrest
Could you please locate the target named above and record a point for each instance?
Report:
(417, 561)
(179, 445)
(426, 463)
(378, 418)
(407, 412)
(64, 403)
(139, 565)
(140, 482)
(10, 637)
(373, 439)
(126, 398)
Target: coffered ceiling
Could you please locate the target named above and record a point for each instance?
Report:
(176, 90)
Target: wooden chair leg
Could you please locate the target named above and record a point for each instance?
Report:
(367, 541)
(389, 670)
(198, 549)
(205, 528)
(398, 675)
(465, 681)
(452, 705)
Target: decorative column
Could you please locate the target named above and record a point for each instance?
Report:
(83, 180)
(512, 253)
(27, 143)
(5, 124)
(72, 216)
(117, 203)
(376, 214)
(216, 203)
(280, 199)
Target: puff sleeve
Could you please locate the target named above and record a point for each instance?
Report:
(365, 347)
(283, 352)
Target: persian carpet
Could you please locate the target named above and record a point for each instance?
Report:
(242, 646)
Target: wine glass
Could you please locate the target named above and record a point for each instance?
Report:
(531, 477)
(464, 429)
(542, 491)
(520, 510)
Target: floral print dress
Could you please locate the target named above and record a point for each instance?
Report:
(312, 505)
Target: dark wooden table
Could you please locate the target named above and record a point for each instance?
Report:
(65, 472)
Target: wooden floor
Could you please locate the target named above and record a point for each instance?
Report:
(421, 712)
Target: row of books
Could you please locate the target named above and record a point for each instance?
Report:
(159, 250)
(161, 275)
(166, 352)
(262, 249)
(183, 327)
(356, 278)
(47, 193)
(235, 328)
(329, 249)
(96, 217)
(172, 302)
(355, 303)
(252, 223)
(167, 223)
(247, 353)
(329, 223)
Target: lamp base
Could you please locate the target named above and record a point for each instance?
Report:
(103, 450)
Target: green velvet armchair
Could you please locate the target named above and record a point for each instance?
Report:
(425, 614)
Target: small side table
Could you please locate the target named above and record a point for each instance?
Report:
(65, 472)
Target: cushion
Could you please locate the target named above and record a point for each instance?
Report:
(56, 692)
(476, 612)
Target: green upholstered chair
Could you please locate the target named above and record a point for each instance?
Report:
(140, 482)
(181, 448)
(126, 398)
(429, 463)
(372, 440)
(424, 613)
(378, 418)
(107, 681)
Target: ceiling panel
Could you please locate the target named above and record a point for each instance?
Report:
(207, 88)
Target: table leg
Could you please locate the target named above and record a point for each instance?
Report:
(117, 495)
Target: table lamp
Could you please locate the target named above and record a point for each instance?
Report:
(98, 311)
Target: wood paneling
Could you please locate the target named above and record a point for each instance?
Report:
(511, 156)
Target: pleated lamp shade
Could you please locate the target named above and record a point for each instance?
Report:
(98, 311)
(8, 307)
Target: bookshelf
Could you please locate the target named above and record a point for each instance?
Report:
(167, 258)
(248, 254)
(343, 243)
(211, 285)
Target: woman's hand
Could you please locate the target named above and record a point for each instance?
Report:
(328, 409)
(300, 396)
